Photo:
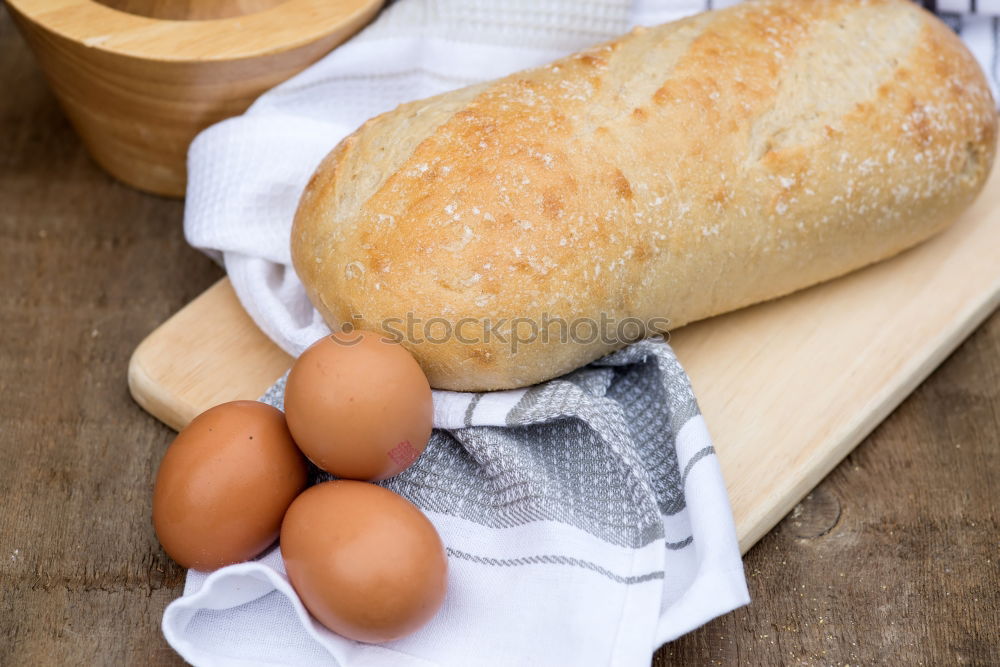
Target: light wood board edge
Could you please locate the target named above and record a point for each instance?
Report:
(763, 517)
(176, 396)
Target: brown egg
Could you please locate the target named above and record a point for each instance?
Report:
(359, 406)
(224, 485)
(365, 561)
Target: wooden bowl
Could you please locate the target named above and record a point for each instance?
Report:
(140, 78)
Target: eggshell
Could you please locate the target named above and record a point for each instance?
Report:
(224, 485)
(365, 561)
(359, 406)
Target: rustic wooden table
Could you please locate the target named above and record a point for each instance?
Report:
(894, 558)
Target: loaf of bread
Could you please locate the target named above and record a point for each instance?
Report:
(669, 175)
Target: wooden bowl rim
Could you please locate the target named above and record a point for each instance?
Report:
(284, 27)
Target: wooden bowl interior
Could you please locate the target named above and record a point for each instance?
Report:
(190, 10)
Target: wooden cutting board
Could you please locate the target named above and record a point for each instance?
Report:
(787, 388)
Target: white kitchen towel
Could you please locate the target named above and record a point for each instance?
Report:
(586, 519)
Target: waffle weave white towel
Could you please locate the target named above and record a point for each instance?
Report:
(586, 519)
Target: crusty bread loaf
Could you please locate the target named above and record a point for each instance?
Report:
(677, 172)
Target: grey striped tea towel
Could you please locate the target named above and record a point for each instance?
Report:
(585, 520)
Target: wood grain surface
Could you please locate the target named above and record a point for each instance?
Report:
(894, 558)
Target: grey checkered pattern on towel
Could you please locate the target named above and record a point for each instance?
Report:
(593, 449)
